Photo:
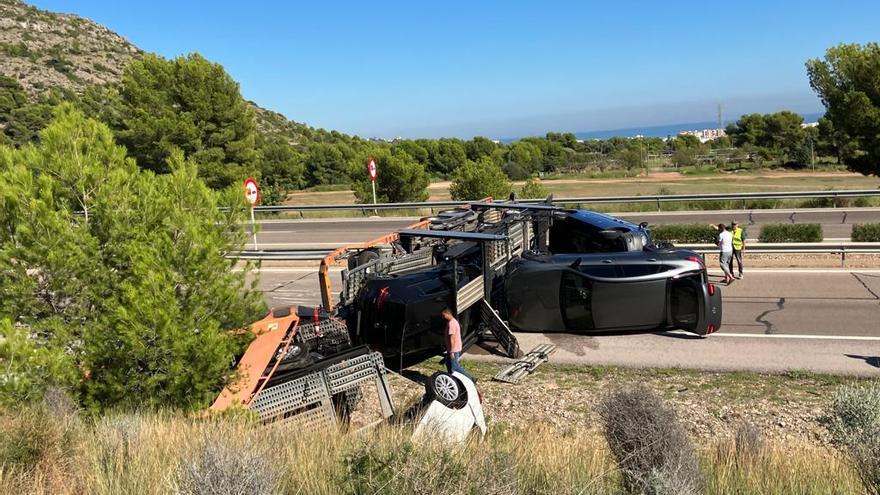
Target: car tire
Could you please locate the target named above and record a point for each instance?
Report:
(361, 258)
(367, 256)
(447, 390)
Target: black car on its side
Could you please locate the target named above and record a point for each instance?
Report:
(591, 293)
(599, 274)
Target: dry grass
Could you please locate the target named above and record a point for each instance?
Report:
(46, 452)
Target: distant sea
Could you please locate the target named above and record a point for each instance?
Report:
(663, 131)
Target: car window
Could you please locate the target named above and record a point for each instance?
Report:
(641, 269)
(603, 270)
(576, 299)
(685, 302)
(572, 236)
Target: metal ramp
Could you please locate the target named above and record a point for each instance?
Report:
(499, 329)
(525, 366)
(308, 400)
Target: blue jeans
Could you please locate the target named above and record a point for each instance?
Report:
(453, 364)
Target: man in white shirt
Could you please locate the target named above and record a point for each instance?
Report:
(725, 244)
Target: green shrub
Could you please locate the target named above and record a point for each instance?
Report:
(791, 232)
(866, 232)
(855, 424)
(686, 233)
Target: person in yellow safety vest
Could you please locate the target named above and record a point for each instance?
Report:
(739, 243)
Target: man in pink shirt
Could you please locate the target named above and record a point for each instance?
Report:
(453, 344)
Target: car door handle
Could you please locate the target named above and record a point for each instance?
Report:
(651, 259)
(607, 261)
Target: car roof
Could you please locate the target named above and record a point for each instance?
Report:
(600, 220)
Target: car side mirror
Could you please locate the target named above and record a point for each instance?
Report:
(643, 225)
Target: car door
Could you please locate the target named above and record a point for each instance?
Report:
(636, 299)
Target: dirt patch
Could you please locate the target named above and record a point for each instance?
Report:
(711, 405)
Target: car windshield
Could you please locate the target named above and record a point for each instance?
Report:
(573, 236)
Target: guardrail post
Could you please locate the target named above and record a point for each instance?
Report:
(658, 204)
(843, 257)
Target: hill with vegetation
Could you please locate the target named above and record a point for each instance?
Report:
(155, 106)
(45, 50)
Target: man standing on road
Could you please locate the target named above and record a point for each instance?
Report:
(453, 344)
(725, 243)
(738, 243)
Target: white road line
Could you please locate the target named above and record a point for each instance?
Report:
(795, 271)
(784, 336)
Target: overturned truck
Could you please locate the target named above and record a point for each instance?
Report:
(603, 274)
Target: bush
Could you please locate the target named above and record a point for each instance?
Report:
(866, 232)
(855, 424)
(221, 465)
(533, 189)
(477, 180)
(791, 232)
(515, 171)
(651, 447)
(688, 233)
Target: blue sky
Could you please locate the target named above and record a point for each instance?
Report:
(499, 69)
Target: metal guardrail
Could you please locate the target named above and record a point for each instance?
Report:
(653, 198)
(841, 249)
(758, 248)
(281, 254)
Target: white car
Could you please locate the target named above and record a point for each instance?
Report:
(454, 411)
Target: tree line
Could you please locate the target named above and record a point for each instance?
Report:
(193, 106)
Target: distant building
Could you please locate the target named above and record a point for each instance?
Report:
(705, 134)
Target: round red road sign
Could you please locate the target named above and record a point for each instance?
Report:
(371, 166)
(251, 192)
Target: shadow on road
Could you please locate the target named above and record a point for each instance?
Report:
(870, 360)
(682, 336)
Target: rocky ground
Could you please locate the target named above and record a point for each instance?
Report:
(786, 407)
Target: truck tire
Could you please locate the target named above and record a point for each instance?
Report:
(359, 259)
(447, 390)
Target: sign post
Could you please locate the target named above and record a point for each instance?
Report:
(371, 166)
(252, 196)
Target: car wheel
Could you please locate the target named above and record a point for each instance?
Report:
(366, 257)
(447, 390)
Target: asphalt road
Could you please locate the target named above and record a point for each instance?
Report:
(331, 233)
(823, 320)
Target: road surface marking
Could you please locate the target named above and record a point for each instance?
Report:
(795, 271)
(784, 336)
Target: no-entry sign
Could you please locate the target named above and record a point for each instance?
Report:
(251, 192)
(371, 166)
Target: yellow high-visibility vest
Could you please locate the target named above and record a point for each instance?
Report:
(738, 239)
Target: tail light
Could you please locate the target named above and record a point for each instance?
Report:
(384, 293)
(697, 260)
(711, 289)
(710, 329)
